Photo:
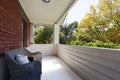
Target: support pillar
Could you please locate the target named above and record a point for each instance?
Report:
(56, 34)
(56, 38)
(32, 33)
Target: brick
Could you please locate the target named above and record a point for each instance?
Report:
(4, 30)
(9, 45)
(6, 49)
(3, 45)
(10, 25)
(1, 33)
(6, 42)
(3, 38)
(1, 50)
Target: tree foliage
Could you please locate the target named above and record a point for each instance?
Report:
(100, 27)
(43, 35)
(67, 31)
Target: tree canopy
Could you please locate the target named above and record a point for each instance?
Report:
(67, 31)
(43, 35)
(100, 27)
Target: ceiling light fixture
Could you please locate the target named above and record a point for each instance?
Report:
(46, 1)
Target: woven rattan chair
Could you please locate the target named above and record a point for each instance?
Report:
(28, 71)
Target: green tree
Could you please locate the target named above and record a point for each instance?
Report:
(43, 35)
(100, 27)
(101, 23)
(66, 33)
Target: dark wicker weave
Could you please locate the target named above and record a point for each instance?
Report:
(29, 71)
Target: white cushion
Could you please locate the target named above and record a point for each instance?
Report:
(22, 59)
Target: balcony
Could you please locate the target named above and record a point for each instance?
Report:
(59, 62)
(87, 63)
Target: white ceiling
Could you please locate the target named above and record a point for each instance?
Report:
(50, 13)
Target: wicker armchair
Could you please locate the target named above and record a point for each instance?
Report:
(28, 71)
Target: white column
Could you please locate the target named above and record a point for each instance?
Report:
(56, 38)
(56, 34)
(32, 33)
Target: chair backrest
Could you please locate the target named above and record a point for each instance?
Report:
(11, 53)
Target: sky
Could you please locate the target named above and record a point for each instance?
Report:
(79, 10)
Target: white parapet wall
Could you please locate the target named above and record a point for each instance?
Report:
(45, 49)
(92, 63)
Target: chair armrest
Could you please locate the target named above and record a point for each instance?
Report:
(37, 52)
(37, 56)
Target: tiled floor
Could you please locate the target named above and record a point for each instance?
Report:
(54, 69)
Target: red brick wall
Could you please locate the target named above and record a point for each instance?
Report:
(10, 25)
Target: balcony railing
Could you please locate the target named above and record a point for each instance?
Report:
(88, 63)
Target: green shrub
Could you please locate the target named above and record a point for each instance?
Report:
(96, 43)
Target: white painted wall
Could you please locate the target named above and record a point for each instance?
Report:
(45, 49)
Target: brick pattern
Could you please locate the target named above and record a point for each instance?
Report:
(11, 25)
(10, 33)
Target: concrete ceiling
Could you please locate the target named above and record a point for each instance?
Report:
(50, 13)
